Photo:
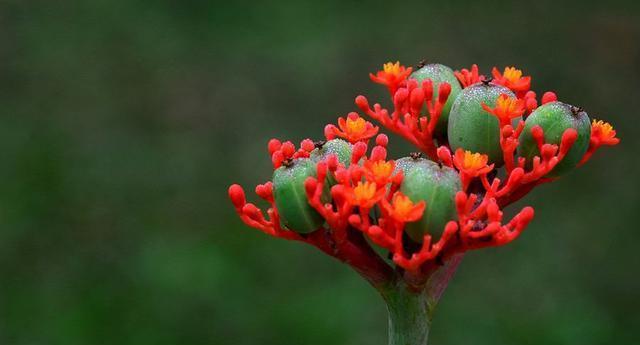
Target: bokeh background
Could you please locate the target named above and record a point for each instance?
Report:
(123, 123)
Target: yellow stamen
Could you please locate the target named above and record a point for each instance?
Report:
(382, 169)
(402, 205)
(512, 74)
(474, 160)
(507, 107)
(392, 68)
(604, 127)
(364, 192)
(356, 126)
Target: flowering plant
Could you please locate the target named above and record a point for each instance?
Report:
(484, 142)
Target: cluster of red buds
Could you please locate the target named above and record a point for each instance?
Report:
(356, 198)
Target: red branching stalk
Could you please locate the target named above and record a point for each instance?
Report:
(407, 118)
(469, 77)
(371, 183)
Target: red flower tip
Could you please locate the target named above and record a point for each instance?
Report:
(400, 96)
(416, 99)
(443, 92)
(391, 75)
(265, 191)
(331, 162)
(353, 128)
(472, 164)
(378, 153)
(362, 102)
(507, 131)
(525, 216)
(604, 133)
(284, 151)
(310, 185)
(382, 140)
(253, 212)
(355, 220)
(307, 145)
(512, 78)
(358, 150)
(277, 158)
(530, 102)
(274, 145)
(538, 134)
(288, 149)
(403, 210)
(445, 156)
(330, 131)
(469, 77)
(236, 194)
(569, 136)
(549, 97)
(506, 109)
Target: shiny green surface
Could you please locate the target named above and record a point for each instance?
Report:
(426, 181)
(339, 147)
(291, 199)
(555, 118)
(471, 127)
(123, 123)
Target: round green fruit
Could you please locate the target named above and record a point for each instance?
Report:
(291, 199)
(438, 74)
(555, 118)
(437, 186)
(471, 127)
(339, 147)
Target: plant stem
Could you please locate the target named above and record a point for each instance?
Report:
(411, 310)
(409, 315)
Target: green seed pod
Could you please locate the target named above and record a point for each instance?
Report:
(438, 74)
(474, 129)
(555, 118)
(291, 199)
(437, 186)
(338, 147)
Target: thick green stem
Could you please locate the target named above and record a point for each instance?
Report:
(411, 309)
(409, 316)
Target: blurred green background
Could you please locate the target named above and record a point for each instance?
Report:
(123, 123)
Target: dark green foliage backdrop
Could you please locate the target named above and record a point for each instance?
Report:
(123, 123)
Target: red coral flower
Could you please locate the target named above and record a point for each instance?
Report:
(365, 194)
(472, 164)
(512, 78)
(403, 210)
(353, 128)
(604, 133)
(391, 75)
(506, 109)
(379, 171)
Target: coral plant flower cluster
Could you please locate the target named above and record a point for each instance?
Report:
(351, 196)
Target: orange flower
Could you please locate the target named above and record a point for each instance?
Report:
(603, 132)
(506, 109)
(354, 129)
(472, 164)
(365, 194)
(391, 75)
(512, 78)
(402, 209)
(379, 171)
